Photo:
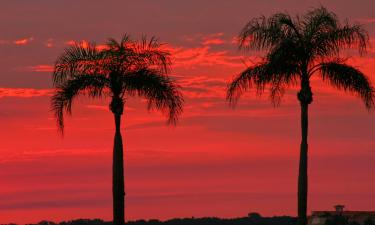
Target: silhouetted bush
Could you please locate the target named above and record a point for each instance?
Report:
(369, 221)
(252, 219)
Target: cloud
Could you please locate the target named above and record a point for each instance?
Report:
(235, 40)
(85, 44)
(24, 92)
(49, 43)
(203, 56)
(101, 47)
(41, 68)
(366, 20)
(203, 87)
(71, 42)
(23, 41)
(82, 43)
(214, 41)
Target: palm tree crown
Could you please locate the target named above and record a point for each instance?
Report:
(298, 48)
(117, 70)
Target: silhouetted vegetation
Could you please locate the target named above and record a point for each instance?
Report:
(298, 48)
(337, 220)
(120, 70)
(369, 222)
(251, 220)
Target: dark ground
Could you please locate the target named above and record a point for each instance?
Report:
(252, 219)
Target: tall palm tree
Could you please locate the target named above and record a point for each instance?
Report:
(297, 49)
(119, 70)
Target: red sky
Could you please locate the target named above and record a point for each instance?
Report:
(216, 162)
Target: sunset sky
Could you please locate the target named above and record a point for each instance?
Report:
(216, 162)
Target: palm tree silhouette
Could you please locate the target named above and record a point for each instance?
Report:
(298, 48)
(119, 70)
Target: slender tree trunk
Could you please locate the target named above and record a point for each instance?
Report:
(302, 177)
(305, 98)
(118, 190)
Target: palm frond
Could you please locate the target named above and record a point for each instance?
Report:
(125, 40)
(288, 25)
(287, 56)
(279, 70)
(347, 78)
(160, 91)
(62, 100)
(133, 55)
(113, 44)
(277, 77)
(330, 42)
(76, 59)
(317, 21)
(150, 53)
(262, 33)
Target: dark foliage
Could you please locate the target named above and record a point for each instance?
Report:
(122, 69)
(251, 220)
(298, 48)
(369, 221)
(337, 220)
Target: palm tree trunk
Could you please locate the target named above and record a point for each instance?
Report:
(118, 191)
(302, 177)
(305, 98)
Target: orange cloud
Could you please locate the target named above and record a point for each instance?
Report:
(214, 41)
(214, 35)
(23, 41)
(71, 42)
(24, 92)
(82, 43)
(203, 87)
(85, 44)
(101, 47)
(203, 56)
(41, 68)
(235, 40)
(49, 43)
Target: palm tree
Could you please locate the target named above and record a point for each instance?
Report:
(119, 70)
(297, 49)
